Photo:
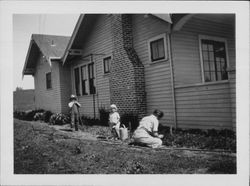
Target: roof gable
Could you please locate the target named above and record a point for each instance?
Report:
(50, 46)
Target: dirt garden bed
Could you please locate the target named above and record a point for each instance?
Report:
(43, 149)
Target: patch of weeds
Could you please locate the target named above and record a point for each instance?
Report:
(201, 139)
(223, 167)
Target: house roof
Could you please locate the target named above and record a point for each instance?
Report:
(50, 46)
(83, 26)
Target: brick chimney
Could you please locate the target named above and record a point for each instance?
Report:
(127, 82)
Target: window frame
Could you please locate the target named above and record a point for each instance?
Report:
(165, 44)
(212, 38)
(103, 64)
(80, 66)
(46, 77)
(85, 80)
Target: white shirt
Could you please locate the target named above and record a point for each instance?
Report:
(72, 102)
(114, 118)
(150, 123)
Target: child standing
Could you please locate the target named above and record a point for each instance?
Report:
(114, 121)
(74, 106)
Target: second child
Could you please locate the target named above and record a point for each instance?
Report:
(114, 121)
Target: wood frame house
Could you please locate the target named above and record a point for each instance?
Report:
(44, 64)
(183, 65)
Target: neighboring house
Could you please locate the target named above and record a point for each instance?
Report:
(184, 66)
(24, 99)
(43, 62)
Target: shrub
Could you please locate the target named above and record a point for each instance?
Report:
(27, 115)
(19, 115)
(131, 118)
(39, 116)
(47, 115)
(59, 119)
(104, 116)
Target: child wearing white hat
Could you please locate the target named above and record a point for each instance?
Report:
(74, 106)
(114, 121)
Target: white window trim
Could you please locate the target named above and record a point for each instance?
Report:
(164, 36)
(213, 38)
(106, 56)
(87, 80)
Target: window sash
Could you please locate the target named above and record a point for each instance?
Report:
(214, 60)
(84, 79)
(77, 81)
(48, 80)
(106, 64)
(157, 49)
(92, 89)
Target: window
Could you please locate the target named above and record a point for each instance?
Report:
(77, 81)
(48, 80)
(157, 48)
(214, 60)
(84, 80)
(91, 79)
(106, 64)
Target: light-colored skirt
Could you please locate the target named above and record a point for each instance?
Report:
(141, 136)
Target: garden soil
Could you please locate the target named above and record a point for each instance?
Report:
(40, 148)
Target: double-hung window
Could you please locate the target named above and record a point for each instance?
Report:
(84, 79)
(214, 59)
(77, 81)
(157, 48)
(48, 80)
(106, 64)
(91, 78)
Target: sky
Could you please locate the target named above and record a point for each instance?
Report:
(24, 25)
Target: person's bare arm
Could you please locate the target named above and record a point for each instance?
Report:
(155, 134)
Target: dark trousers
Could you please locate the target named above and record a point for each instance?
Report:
(74, 120)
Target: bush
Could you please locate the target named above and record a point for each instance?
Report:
(27, 115)
(59, 119)
(104, 116)
(39, 116)
(47, 115)
(131, 118)
(19, 115)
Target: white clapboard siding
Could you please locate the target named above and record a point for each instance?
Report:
(199, 105)
(65, 84)
(213, 105)
(158, 75)
(98, 41)
(47, 99)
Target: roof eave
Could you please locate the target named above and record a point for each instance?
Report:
(27, 57)
(72, 38)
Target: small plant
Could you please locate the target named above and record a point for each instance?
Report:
(47, 115)
(19, 115)
(59, 119)
(39, 116)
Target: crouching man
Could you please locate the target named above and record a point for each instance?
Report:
(147, 131)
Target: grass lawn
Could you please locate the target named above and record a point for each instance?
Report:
(43, 149)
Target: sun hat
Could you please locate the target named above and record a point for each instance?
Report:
(72, 97)
(113, 106)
